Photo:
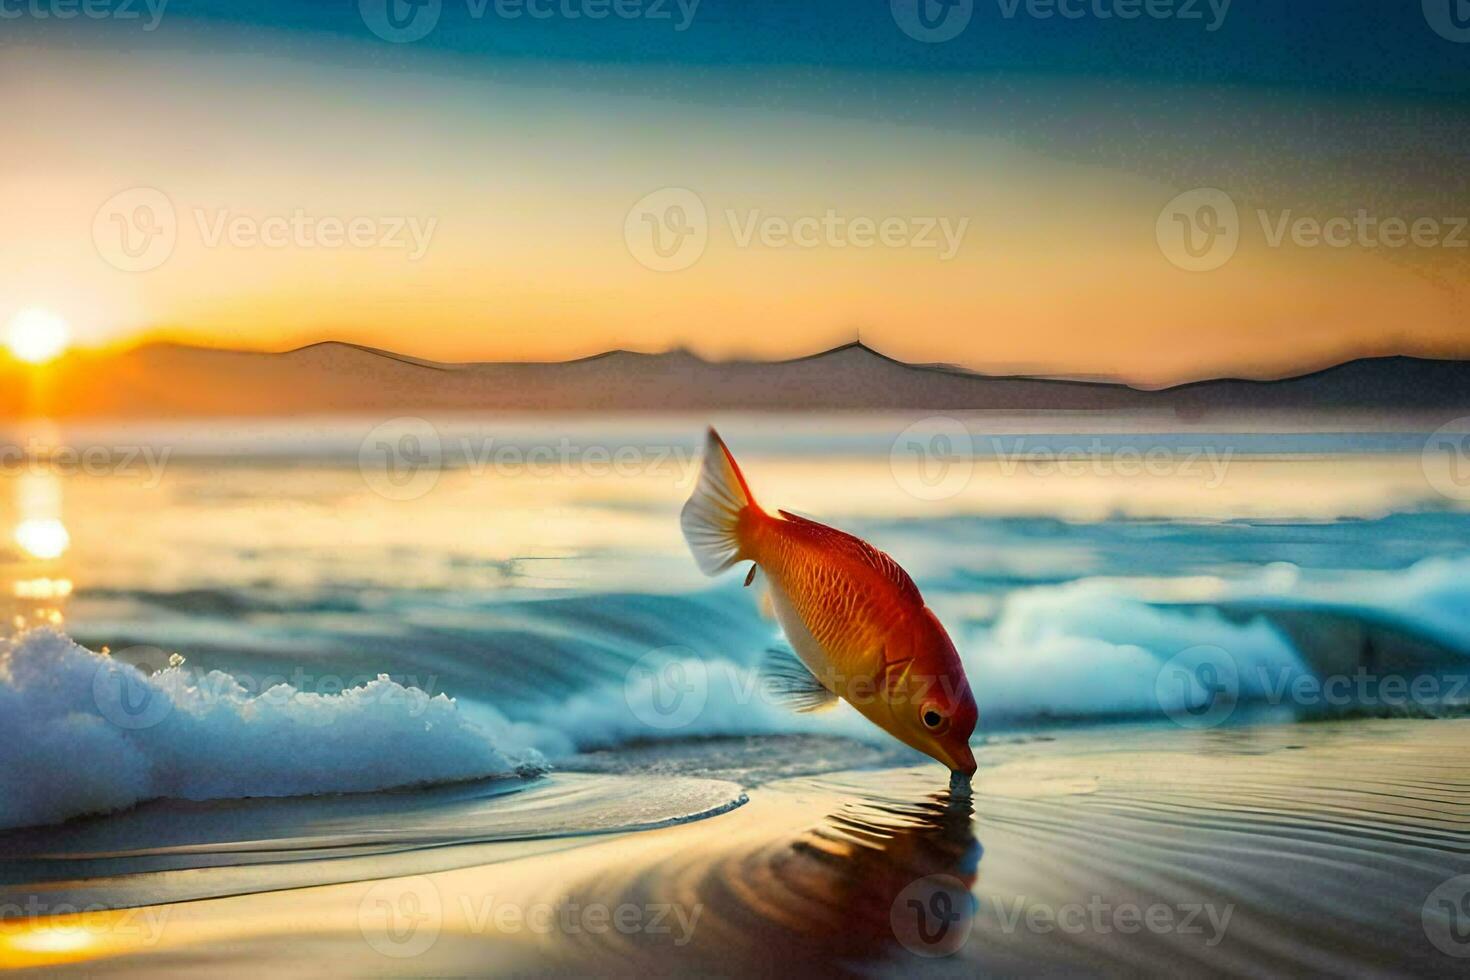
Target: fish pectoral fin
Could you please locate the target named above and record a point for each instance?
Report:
(791, 684)
(750, 576)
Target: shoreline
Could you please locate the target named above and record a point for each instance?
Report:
(1148, 851)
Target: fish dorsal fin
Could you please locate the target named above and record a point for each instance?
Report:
(859, 549)
(788, 681)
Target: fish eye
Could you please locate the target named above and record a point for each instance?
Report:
(932, 717)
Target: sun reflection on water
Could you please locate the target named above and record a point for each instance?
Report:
(53, 940)
(40, 532)
(42, 588)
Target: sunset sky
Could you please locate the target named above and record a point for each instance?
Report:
(488, 170)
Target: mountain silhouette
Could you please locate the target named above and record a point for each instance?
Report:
(166, 380)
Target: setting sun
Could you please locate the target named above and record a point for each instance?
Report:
(37, 336)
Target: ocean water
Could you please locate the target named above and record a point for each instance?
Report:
(489, 595)
(486, 630)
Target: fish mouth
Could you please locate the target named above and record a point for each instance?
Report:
(960, 760)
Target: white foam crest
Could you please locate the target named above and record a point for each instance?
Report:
(1090, 648)
(81, 732)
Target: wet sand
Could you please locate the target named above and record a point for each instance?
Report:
(1315, 848)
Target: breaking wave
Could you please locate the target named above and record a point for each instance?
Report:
(81, 732)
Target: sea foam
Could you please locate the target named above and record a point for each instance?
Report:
(81, 732)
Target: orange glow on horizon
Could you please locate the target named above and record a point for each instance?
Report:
(523, 252)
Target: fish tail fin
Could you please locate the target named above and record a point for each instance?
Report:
(719, 513)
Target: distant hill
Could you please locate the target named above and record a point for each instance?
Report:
(164, 380)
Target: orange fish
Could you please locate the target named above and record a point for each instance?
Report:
(854, 618)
